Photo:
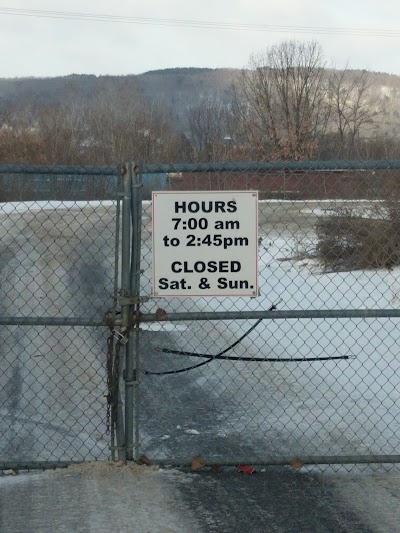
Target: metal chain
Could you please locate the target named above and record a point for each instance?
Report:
(112, 365)
(110, 391)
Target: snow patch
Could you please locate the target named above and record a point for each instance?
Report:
(192, 432)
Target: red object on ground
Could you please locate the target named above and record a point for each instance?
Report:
(244, 469)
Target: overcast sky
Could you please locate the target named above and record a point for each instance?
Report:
(52, 47)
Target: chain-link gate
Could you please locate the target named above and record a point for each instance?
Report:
(309, 369)
(58, 275)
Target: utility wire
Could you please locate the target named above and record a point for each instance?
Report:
(200, 24)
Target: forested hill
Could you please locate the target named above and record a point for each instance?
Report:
(193, 112)
(178, 87)
(185, 87)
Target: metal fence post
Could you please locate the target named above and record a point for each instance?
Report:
(137, 197)
(132, 348)
(116, 409)
(125, 292)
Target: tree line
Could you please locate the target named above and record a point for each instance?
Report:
(286, 105)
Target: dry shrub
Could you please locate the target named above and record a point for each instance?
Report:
(347, 241)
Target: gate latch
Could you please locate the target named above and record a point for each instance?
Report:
(122, 339)
(132, 300)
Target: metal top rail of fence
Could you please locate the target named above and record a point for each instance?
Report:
(61, 170)
(277, 165)
(204, 167)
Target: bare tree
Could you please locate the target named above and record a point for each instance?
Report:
(19, 139)
(208, 128)
(281, 100)
(61, 128)
(5, 113)
(122, 124)
(355, 108)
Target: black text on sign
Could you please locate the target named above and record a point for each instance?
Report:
(205, 243)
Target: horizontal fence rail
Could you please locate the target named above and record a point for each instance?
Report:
(288, 459)
(204, 316)
(274, 315)
(60, 170)
(271, 166)
(50, 321)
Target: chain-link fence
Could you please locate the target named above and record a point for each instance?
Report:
(306, 369)
(58, 276)
(310, 367)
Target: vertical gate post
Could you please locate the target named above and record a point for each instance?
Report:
(136, 289)
(132, 348)
(116, 410)
(125, 291)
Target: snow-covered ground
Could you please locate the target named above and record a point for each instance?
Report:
(338, 407)
(22, 207)
(97, 497)
(101, 497)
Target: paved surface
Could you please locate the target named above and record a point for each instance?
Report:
(103, 498)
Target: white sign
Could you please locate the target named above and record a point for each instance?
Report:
(205, 243)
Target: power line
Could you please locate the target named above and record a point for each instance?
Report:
(199, 24)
